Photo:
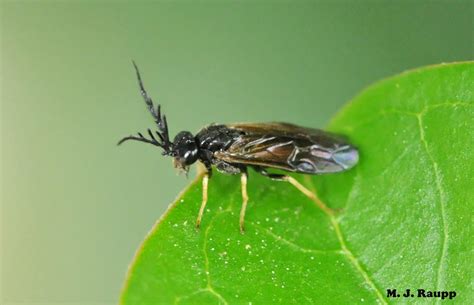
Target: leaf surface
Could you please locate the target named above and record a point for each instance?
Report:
(404, 215)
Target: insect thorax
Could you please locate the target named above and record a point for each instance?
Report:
(216, 137)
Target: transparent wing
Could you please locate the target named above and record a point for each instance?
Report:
(290, 147)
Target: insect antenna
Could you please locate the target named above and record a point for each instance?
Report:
(141, 138)
(162, 125)
(160, 120)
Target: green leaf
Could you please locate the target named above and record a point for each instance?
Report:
(404, 220)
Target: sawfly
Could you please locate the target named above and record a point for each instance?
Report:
(233, 148)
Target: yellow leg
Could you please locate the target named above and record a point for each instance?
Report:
(245, 199)
(308, 194)
(205, 182)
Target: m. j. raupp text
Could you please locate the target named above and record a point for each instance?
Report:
(421, 293)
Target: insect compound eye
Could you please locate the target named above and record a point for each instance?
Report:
(190, 156)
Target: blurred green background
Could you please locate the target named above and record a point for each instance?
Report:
(74, 206)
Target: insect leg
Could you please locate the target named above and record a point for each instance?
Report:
(245, 199)
(205, 182)
(296, 184)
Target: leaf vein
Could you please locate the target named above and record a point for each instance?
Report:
(178, 299)
(388, 111)
(293, 245)
(442, 201)
(348, 253)
(206, 259)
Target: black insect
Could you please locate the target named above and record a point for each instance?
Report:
(232, 148)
